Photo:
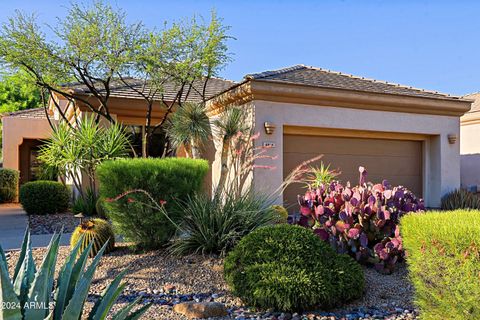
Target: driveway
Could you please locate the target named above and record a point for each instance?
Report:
(13, 222)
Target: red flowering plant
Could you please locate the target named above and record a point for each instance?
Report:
(362, 221)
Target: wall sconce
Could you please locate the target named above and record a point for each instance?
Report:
(269, 127)
(452, 138)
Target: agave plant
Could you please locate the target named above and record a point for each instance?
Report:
(28, 295)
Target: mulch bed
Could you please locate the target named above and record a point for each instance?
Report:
(166, 280)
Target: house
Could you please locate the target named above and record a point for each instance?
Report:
(406, 135)
(23, 131)
(470, 146)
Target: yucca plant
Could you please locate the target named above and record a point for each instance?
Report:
(215, 225)
(28, 295)
(190, 127)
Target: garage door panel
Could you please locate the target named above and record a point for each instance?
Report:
(349, 164)
(398, 161)
(304, 144)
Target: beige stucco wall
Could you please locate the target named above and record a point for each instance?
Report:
(15, 129)
(215, 152)
(441, 159)
(470, 154)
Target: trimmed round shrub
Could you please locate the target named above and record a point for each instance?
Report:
(98, 231)
(288, 268)
(134, 216)
(44, 197)
(8, 185)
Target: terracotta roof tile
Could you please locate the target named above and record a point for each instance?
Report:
(121, 90)
(311, 76)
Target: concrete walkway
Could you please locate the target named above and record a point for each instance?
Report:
(13, 222)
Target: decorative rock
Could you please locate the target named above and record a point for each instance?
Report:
(169, 288)
(201, 310)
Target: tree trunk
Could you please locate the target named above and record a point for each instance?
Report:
(195, 149)
(224, 166)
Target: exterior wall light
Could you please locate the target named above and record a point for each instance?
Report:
(452, 138)
(269, 127)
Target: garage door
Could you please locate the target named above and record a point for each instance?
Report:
(398, 161)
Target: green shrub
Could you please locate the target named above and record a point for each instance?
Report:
(44, 197)
(164, 179)
(460, 199)
(215, 225)
(100, 208)
(288, 268)
(86, 204)
(443, 257)
(8, 185)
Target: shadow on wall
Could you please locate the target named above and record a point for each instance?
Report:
(470, 171)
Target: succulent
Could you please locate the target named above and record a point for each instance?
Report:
(28, 294)
(362, 220)
(460, 199)
(98, 232)
(281, 212)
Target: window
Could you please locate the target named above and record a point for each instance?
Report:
(156, 146)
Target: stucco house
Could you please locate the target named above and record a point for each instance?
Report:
(470, 145)
(406, 135)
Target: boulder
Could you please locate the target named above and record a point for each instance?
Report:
(201, 310)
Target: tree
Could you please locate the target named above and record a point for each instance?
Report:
(95, 47)
(181, 59)
(90, 45)
(18, 93)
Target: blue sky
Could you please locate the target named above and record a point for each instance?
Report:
(427, 44)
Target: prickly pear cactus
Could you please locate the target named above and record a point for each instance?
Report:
(98, 231)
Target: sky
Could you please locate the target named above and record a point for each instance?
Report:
(425, 44)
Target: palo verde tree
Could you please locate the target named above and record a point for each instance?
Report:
(180, 60)
(95, 47)
(88, 46)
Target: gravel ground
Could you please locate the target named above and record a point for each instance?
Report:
(49, 223)
(166, 280)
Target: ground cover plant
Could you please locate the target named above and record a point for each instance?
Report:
(443, 258)
(288, 268)
(8, 185)
(44, 197)
(134, 214)
(33, 284)
(362, 221)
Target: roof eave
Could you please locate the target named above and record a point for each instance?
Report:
(258, 89)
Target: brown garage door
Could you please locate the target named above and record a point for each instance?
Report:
(398, 161)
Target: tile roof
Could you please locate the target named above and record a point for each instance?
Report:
(122, 90)
(317, 77)
(476, 101)
(36, 113)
